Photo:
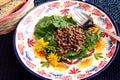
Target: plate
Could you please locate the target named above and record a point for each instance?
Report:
(84, 68)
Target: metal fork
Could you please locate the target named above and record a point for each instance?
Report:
(85, 21)
(82, 19)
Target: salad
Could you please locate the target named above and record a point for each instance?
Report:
(58, 39)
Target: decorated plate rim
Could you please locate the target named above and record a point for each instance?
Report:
(106, 66)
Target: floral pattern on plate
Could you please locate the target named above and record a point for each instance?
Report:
(80, 69)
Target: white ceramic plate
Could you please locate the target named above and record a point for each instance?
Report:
(85, 68)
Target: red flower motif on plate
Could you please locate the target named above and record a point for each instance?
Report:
(65, 11)
(30, 42)
(110, 54)
(85, 6)
(97, 12)
(74, 71)
(108, 24)
(69, 3)
(104, 34)
(54, 5)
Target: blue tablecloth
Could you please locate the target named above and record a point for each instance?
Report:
(11, 69)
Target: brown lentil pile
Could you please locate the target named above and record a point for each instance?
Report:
(69, 38)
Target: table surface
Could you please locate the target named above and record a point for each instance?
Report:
(11, 69)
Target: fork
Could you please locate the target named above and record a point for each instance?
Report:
(85, 21)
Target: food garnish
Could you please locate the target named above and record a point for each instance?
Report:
(60, 39)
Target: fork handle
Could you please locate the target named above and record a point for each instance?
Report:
(110, 34)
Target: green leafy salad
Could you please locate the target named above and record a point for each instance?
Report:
(46, 29)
